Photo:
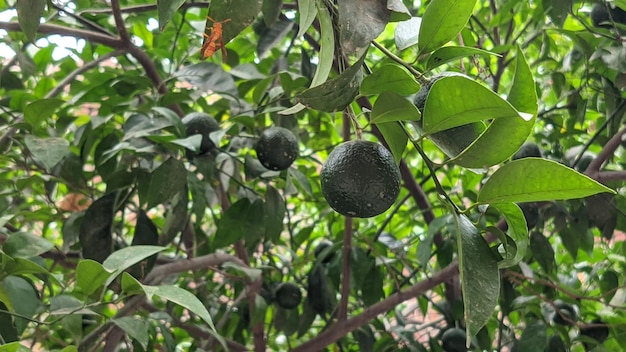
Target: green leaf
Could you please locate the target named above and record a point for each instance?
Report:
(163, 183)
(13, 346)
(327, 41)
(146, 233)
(39, 111)
(458, 100)
(48, 151)
(537, 180)
(399, 11)
(361, 21)
(479, 274)
(337, 93)
(130, 285)
(523, 95)
(167, 9)
(186, 300)
(29, 14)
(490, 148)
(237, 270)
(20, 266)
(407, 33)
(90, 275)
(390, 107)
(26, 245)
(65, 304)
(240, 12)
(176, 218)
(95, 229)
(306, 10)
(517, 231)
(243, 220)
(542, 251)
(447, 54)
(395, 137)
(123, 259)
(534, 337)
(135, 328)
(274, 214)
(24, 300)
(271, 10)
(442, 21)
(390, 78)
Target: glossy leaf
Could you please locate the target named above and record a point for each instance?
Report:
(48, 151)
(442, 21)
(447, 54)
(390, 107)
(124, 258)
(491, 148)
(395, 137)
(327, 44)
(480, 276)
(184, 299)
(390, 78)
(26, 245)
(306, 10)
(517, 231)
(536, 180)
(458, 100)
(337, 93)
(90, 275)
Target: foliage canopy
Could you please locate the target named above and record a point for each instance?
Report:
(121, 229)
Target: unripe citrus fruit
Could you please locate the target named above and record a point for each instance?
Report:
(288, 295)
(360, 179)
(277, 148)
(456, 139)
(453, 340)
(203, 124)
(320, 250)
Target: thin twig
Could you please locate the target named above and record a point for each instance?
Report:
(342, 328)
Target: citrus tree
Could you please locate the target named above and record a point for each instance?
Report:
(355, 175)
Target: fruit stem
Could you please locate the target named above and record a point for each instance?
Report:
(418, 75)
(431, 169)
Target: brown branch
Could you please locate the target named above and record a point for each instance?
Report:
(343, 328)
(342, 312)
(143, 8)
(154, 278)
(593, 170)
(119, 21)
(90, 36)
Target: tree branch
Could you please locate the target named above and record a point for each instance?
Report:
(593, 170)
(154, 278)
(90, 36)
(119, 21)
(343, 328)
